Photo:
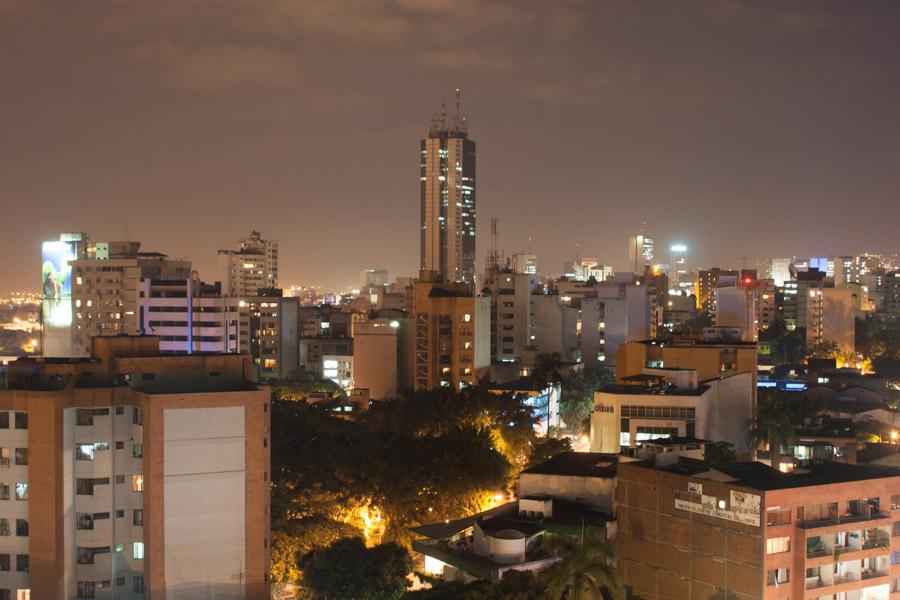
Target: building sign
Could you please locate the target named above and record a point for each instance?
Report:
(744, 507)
(56, 282)
(695, 488)
(605, 409)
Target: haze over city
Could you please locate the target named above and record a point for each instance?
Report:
(744, 129)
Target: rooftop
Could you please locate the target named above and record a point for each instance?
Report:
(759, 476)
(577, 464)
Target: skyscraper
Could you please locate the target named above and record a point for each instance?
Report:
(640, 252)
(447, 184)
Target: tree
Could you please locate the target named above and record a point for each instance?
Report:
(515, 585)
(773, 424)
(824, 349)
(587, 569)
(788, 347)
(719, 453)
(294, 539)
(577, 401)
(548, 447)
(347, 570)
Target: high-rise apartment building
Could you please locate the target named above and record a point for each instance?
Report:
(94, 288)
(447, 199)
(253, 266)
(708, 280)
(134, 475)
(678, 267)
(268, 330)
(452, 334)
(511, 314)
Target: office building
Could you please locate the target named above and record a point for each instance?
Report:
(447, 197)
(371, 280)
(136, 475)
(93, 289)
(678, 267)
(188, 315)
(452, 334)
(640, 252)
(253, 266)
(746, 531)
(780, 270)
(672, 403)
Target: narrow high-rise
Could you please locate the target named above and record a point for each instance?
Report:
(447, 184)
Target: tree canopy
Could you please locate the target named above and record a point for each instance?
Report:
(348, 570)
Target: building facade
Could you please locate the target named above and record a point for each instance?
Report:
(251, 267)
(447, 200)
(745, 531)
(136, 475)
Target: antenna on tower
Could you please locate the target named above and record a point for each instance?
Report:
(495, 243)
(443, 116)
(457, 120)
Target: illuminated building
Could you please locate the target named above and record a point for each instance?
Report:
(132, 474)
(99, 289)
(268, 331)
(188, 316)
(780, 270)
(707, 281)
(451, 334)
(447, 194)
(524, 263)
(250, 268)
(640, 252)
(371, 280)
(618, 312)
(890, 293)
(678, 268)
(511, 313)
(747, 531)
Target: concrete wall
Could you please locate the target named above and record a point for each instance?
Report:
(204, 479)
(597, 491)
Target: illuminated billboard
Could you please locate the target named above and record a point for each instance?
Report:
(56, 282)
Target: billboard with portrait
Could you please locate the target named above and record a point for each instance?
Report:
(56, 283)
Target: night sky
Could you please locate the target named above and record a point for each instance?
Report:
(741, 128)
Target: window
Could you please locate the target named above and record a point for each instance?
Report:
(137, 517)
(120, 410)
(138, 551)
(138, 584)
(84, 416)
(22, 527)
(22, 563)
(5, 456)
(120, 479)
(778, 516)
(120, 514)
(5, 594)
(84, 452)
(4, 562)
(777, 576)
(120, 581)
(4, 527)
(137, 416)
(21, 491)
(21, 420)
(137, 483)
(85, 556)
(21, 456)
(137, 450)
(4, 419)
(778, 545)
(85, 589)
(84, 521)
(4, 491)
(120, 445)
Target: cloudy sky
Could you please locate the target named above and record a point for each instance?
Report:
(746, 129)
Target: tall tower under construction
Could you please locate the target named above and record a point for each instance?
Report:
(447, 193)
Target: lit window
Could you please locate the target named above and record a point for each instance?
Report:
(138, 553)
(467, 317)
(778, 545)
(21, 491)
(137, 483)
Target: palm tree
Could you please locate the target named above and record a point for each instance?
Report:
(773, 424)
(588, 567)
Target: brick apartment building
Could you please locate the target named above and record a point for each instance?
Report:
(132, 474)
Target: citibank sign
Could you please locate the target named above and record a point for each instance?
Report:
(605, 409)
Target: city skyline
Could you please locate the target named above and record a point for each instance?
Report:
(183, 133)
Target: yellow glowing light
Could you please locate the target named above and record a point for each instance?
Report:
(499, 497)
(895, 435)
